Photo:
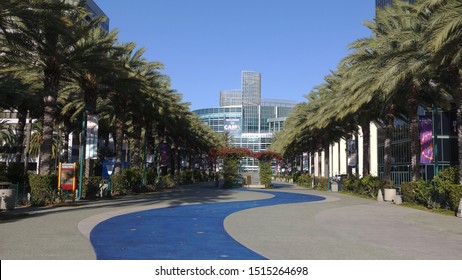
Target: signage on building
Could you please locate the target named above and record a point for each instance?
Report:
(232, 124)
(257, 135)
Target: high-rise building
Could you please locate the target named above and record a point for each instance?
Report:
(251, 88)
(249, 119)
(95, 11)
(232, 97)
(383, 3)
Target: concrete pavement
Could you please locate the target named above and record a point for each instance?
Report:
(340, 227)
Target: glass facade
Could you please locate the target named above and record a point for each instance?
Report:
(383, 3)
(251, 88)
(250, 120)
(445, 129)
(231, 97)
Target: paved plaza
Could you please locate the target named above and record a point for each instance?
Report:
(285, 223)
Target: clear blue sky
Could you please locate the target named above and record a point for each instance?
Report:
(205, 44)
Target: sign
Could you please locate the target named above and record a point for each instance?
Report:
(164, 150)
(426, 140)
(351, 153)
(232, 124)
(257, 135)
(67, 176)
(91, 148)
(106, 162)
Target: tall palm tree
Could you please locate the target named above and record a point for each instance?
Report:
(446, 44)
(46, 42)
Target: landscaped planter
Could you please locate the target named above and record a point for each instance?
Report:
(389, 194)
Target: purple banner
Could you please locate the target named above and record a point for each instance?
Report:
(164, 155)
(426, 140)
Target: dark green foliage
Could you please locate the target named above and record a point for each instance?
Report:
(186, 177)
(320, 183)
(426, 194)
(408, 191)
(265, 173)
(119, 184)
(134, 178)
(91, 187)
(230, 166)
(43, 189)
(304, 180)
(448, 191)
(368, 186)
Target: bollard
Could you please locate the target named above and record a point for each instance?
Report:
(380, 196)
(459, 214)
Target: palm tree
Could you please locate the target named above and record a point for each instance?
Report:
(46, 42)
(446, 44)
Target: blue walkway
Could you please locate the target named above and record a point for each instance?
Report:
(190, 232)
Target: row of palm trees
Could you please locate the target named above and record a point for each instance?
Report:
(58, 66)
(412, 58)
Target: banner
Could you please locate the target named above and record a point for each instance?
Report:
(426, 140)
(91, 149)
(232, 126)
(164, 155)
(351, 153)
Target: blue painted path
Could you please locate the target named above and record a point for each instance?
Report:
(189, 232)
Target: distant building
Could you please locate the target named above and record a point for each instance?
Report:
(249, 119)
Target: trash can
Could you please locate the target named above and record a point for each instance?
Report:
(7, 199)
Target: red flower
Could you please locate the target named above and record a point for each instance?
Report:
(266, 156)
(233, 153)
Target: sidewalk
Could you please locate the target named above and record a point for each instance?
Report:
(340, 227)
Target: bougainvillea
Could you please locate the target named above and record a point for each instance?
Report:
(266, 156)
(234, 153)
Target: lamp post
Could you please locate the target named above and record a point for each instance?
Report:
(110, 169)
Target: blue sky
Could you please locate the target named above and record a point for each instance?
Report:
(205, 44)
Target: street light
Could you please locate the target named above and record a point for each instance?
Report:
(110, 169)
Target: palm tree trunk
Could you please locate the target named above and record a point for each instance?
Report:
(413, 104)
(51, 84)
(389, 125)
(136, 159)
(456, 89)
(21, 127)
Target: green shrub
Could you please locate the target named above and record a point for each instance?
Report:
(134, 178)
(408, 191)
(44, 189)
(320, 183)
(168, 181)
(265, 173)
(151, 176)
(91, 186)
(453, 194)
(186, 177)
(230, 168)
(369, 186)
(351, 184)
(304, 180)
(426, 194)
(449, 191)
(119, 184)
